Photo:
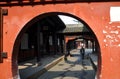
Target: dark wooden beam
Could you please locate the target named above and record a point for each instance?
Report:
(2, 54)
(43, 2)
(1, 34)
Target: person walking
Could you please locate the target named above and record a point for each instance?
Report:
(82, 51)
(68, 50)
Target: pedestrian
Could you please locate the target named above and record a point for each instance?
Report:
(69, 47)
(82, 51)
(68, 50)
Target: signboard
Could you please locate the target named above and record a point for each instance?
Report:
(115, 14)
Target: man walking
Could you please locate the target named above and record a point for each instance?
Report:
(82, 50)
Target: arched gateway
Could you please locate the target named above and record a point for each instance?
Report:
(96, 15)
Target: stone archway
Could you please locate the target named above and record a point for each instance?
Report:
(95, 14)
(18, 39)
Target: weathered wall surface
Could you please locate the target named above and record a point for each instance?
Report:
(96, 15)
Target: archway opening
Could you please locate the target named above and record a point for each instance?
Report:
(48, 35)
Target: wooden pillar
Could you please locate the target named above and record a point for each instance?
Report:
(55, 43)
(61, 43)
(86, 41)
(93, 46)
(2, 53)
(97, 47)
(58, 44)
(1, 34)
(64, 46)
(47, 45)
(38, 55)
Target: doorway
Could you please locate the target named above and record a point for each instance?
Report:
(49, 36)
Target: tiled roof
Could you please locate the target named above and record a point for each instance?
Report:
(70, 28)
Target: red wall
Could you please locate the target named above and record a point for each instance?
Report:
(96, 15)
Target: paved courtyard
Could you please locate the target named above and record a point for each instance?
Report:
(73, 68)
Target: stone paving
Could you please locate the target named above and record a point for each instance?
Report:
(29, 68)
(73, 68)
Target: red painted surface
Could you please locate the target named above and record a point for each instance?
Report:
(96, 15)
(69, 38)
